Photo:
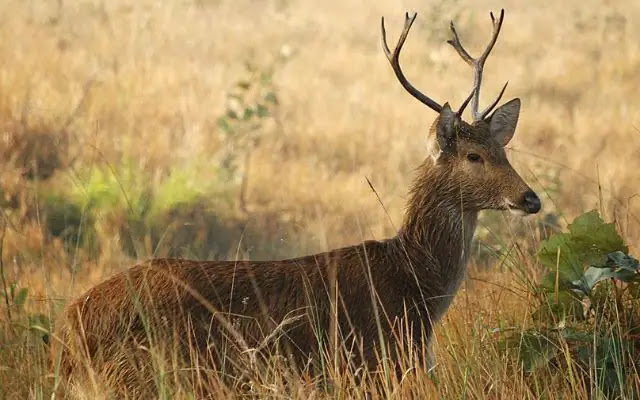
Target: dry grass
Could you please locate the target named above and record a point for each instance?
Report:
(139, 86)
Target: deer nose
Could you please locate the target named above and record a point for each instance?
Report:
(531, 202)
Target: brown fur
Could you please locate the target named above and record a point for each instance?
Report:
(230, 307)
(350, 301)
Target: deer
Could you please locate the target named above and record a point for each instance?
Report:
(364, 294)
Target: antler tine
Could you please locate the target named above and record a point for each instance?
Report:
(394, 59)
(455, 42)
(487, 110)
(478, 66)
(465, 103)
(497, 25)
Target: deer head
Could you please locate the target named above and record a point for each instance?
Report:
(471, 156)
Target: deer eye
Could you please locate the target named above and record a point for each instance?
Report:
(473, 157)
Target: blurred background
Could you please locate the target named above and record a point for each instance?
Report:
(245, 129)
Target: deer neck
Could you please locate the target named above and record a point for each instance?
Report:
(436, 233)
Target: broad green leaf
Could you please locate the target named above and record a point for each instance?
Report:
(618, 259)
(617, 266)
(588, 241)
(557, 252)
(564, 303)
(592, 276)
(625, 275)
(595, 238)
(549, 283)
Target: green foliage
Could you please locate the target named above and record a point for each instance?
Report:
(588, 242)
(191, 209)
(188, 212)
(251, 103)
(189, 185)
(588, 307)
(105, 190)
(187, 215)
(182, 186)
(592, 251)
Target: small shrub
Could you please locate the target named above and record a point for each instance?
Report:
(587, 323)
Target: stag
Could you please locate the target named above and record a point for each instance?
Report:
(366, 297)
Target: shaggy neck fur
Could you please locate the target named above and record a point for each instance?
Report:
(436, 234)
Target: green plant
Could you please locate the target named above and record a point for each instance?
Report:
(590, 253)
(587, 322)
(250, 102)
(250, 105)
(104, 190)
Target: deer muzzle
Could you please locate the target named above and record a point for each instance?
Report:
(531, 202)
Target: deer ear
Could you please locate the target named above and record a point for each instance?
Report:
(504, 120)
(442, 136)
(445, 130)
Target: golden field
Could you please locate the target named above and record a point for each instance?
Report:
(106, 105)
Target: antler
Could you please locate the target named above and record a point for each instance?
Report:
(478, 65)
(394, 59)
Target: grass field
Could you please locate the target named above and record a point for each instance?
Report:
(247, 129)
